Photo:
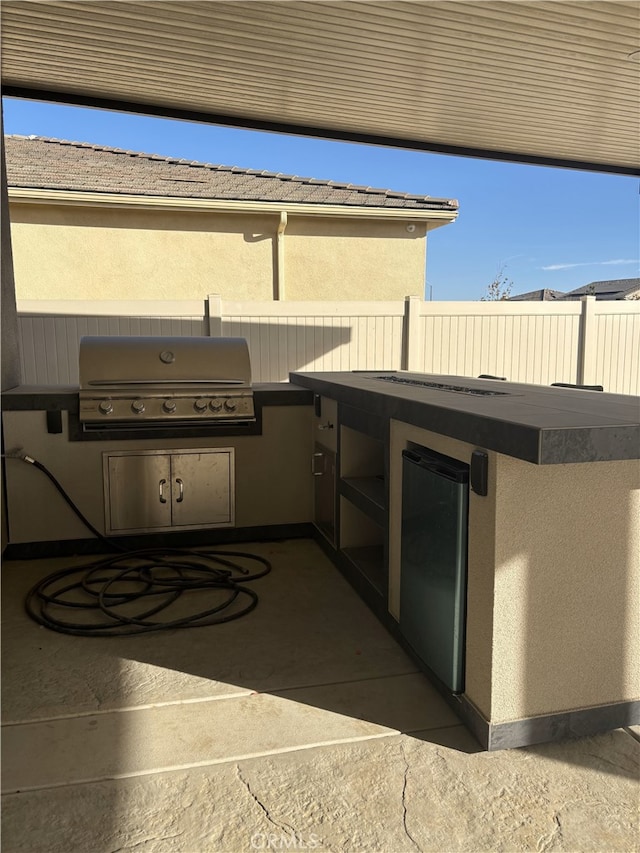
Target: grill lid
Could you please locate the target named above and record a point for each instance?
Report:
(119, 360)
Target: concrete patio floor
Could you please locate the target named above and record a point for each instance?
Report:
(300, 726)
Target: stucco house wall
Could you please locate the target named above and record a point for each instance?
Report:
(80, 252)
(351, 259)
(91, 222)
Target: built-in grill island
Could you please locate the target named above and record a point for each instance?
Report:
(164, 440)
(512, 591)
(550, 603)
(132, 385)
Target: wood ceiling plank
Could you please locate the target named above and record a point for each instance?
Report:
(536, 77)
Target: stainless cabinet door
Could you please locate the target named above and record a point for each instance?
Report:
(202, 488)
(324, 471)
(138, 492)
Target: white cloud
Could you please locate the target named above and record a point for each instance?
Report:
(614, 262)
(563, 266)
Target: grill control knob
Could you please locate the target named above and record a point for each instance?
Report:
(201, 405)
(215, 405)
(137, 406)
(106, 407)
(169, 406)
(230, 405)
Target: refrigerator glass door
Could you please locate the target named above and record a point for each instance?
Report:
(434, 562)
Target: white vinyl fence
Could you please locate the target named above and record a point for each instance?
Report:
(313, 336)
(586, 342)
(539, 343)
(50, 332)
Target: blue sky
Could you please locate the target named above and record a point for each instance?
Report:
(555, 228)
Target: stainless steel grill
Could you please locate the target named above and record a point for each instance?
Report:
(164, 380)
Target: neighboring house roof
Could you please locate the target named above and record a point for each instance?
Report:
(37, 162)
(545, 295)
(617, 288)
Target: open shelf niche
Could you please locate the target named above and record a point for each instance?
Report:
(362, 542)
(363, 505)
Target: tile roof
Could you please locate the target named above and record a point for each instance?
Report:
(615, 288)
(43, 163)
(545, 295)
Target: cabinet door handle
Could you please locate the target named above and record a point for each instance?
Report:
(180, 486)
(313, 465)
(328, 425)
(161, 486)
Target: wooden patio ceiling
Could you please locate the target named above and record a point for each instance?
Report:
(552, 82)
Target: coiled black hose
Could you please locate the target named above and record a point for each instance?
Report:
(113, 593)
(162, 577)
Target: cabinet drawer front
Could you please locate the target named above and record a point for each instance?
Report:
(324, 497)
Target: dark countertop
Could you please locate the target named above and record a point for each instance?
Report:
(537, 423)
(65, 397)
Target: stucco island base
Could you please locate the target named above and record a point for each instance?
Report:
(553, 592)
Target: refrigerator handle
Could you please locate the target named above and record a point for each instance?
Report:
(442, 471)
(433, 466)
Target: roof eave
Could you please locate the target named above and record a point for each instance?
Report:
(140, 202)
